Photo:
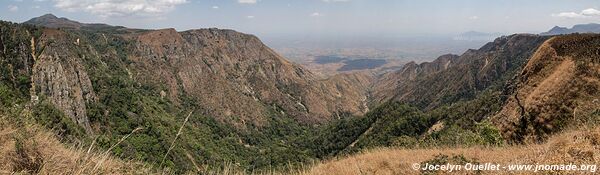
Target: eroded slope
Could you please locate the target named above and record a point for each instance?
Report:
(559, 84)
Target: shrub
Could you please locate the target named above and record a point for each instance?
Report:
(52, 118)
(490, 134)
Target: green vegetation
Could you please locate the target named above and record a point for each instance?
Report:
(400, 125)
(15, 62)
(394, 120)
(45, 113)
(125, 104)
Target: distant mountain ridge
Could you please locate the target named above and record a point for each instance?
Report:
(580, 28)
(51, 21)
(477, 36)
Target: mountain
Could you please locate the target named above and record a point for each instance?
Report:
(241, 98)
(51, 21)
(230, 74)
(531, 88)
(234, 74)
(580, 28)
(188, 101)
(454, 78)
(435, 104)
(556, 30)
(387, 83)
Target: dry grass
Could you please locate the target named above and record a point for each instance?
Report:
(33, 150)
(577, 147)
(40, 152)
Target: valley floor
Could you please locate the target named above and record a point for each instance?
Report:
(581, 147)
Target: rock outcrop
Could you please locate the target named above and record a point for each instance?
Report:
(60, 76)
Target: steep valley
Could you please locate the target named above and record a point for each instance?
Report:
(205, 100)
(95, 85)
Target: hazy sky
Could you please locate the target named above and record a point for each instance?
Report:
(342, 17)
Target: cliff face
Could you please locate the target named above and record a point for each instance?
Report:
(559, 84)
(231, 76)
(59, 75)
(450, 78)
(235, 77)
(45, 63)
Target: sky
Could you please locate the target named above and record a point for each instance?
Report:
(319, 17)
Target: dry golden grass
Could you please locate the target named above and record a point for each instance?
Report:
(577, 147)
(42, 153)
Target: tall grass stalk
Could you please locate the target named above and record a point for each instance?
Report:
(106, 154)
(176, 136)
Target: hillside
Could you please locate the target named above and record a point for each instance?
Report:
(451, 78)
(242, 102)
(558, 85)
(388, 83)
(230, 74)
(30, 149)
(200, 100)
(532, 95)
(549, 106)
(577, 147)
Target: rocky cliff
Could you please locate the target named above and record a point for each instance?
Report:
(233, 76)
(59, 74)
